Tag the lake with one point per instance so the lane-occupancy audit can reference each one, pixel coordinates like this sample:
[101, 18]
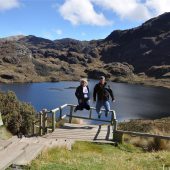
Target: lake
[132, 101]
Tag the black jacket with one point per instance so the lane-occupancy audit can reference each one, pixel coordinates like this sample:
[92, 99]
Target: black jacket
[79, 93]
[102, 92]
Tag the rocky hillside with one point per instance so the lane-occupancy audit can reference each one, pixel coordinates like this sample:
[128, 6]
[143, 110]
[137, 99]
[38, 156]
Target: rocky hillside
[124, 53]
[142, 47]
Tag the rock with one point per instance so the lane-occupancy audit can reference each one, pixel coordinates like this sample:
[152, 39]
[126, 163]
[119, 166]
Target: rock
[119, 69]
[96, 73]
[158, 71]
[142, 47]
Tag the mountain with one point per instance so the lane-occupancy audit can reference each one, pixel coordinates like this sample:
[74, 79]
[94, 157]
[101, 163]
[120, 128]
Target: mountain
[123, 54]
[142, 47]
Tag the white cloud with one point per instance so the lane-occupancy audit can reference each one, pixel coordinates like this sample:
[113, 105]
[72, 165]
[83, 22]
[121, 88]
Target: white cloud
[58, 31]
[8, 4]
[125, 9]
[135, 9]
[52, 34]
[82, 12]
[158, 6]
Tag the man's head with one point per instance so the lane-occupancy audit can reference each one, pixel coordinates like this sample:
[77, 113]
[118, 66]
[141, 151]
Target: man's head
[102, 80]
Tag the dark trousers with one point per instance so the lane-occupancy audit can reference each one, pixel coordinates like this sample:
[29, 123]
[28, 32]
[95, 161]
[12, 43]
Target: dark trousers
[83, 105]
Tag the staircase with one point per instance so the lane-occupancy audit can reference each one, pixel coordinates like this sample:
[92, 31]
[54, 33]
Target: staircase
[22, 151]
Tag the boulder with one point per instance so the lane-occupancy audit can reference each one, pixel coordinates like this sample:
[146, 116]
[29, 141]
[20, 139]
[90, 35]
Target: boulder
[119, 69]
[96, 73]
[158, 71]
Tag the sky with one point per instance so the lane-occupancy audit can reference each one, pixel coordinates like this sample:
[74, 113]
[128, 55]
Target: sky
[77, 19]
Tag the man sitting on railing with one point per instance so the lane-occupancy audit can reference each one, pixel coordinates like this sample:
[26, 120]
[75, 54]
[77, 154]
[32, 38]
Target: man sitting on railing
[82, 94]
[102, 93]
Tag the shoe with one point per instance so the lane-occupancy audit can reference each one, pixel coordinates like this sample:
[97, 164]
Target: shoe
[75, 110]
[106, 114]
[99, 115]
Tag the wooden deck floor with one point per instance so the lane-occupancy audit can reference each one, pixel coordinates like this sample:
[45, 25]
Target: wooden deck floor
[93, 133]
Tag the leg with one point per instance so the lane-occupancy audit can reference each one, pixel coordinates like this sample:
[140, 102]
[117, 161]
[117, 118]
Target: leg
[107, 107]
[87, 105]
[98, 107]
[79, 107]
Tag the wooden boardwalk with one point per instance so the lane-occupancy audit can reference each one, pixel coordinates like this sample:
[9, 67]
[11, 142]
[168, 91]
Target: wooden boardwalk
[92, 133]
[16, 151]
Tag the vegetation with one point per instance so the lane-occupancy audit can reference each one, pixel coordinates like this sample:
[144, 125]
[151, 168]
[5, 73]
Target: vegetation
[85, 155]
[4, 133]
[16, 115]
[158, 126]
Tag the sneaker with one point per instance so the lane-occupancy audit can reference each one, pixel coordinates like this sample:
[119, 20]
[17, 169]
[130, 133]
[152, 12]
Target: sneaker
[75, 110]
[106, 114]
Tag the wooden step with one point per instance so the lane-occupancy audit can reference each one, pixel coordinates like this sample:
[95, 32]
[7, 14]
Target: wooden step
[30, 153]
[10, 154]
[7, 143]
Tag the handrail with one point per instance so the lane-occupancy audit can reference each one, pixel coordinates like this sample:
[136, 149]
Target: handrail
[117, 134]
[43, 115]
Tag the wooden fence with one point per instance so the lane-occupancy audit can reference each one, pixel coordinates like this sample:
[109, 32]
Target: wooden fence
[45, 126]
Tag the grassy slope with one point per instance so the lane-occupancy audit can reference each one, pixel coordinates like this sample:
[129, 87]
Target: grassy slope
[91, 156]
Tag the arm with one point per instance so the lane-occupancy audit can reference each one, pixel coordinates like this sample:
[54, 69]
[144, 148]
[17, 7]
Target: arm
[77, 92]
[111, 93]
[88, 92]
[94, 93]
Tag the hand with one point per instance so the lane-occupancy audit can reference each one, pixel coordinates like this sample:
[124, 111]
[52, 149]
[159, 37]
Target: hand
[80, 100]
[113, 100]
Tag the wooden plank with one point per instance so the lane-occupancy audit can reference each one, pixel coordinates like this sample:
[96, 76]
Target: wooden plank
[89, 118]
[8, 156]
[30, 153]
[53, 121]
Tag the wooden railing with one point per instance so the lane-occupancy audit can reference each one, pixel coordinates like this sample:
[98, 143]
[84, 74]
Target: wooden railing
[57, 114]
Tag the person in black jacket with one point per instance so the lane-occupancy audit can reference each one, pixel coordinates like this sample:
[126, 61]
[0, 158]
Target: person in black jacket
[102, 91]
[82, 94]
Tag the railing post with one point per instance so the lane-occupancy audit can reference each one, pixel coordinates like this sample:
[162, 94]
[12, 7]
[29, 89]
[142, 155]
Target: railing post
[117, 136]
[60, 113]
[90, 113]
[112, 118]
[114, 125]
[71, 113]
[44, 121]
[53, 121]
[40, 123]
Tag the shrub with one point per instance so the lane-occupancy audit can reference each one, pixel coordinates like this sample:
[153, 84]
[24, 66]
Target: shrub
[16, 115]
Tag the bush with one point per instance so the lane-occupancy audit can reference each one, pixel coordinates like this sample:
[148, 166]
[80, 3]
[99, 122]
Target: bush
[16, 115]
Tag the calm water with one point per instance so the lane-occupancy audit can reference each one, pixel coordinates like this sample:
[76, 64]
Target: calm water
[132, 101]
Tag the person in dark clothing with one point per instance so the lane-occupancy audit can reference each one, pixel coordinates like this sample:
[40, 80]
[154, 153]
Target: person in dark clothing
[82, 94]
[102, 91]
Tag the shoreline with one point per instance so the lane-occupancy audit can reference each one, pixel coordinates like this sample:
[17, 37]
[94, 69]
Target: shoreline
[143, 81]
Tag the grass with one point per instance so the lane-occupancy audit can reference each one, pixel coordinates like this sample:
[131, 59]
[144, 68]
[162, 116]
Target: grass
[4, 133]
[92, 156]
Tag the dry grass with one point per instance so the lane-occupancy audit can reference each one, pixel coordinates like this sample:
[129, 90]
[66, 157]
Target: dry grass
[159, 127]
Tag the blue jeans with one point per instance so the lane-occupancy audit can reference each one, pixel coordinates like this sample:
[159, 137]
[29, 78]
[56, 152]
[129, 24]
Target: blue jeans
[101, 103]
